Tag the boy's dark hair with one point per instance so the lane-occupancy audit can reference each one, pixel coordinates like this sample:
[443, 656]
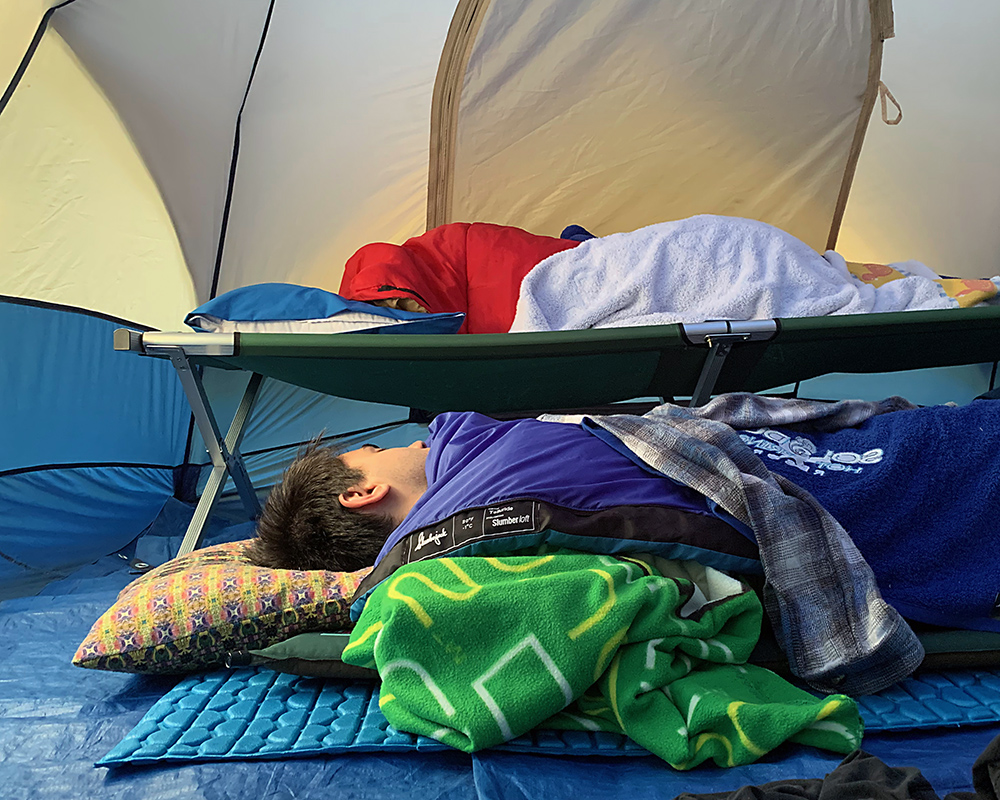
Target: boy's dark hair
[304, 526]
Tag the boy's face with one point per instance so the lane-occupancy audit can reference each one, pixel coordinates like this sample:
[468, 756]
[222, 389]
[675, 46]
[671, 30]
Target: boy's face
[402, 468]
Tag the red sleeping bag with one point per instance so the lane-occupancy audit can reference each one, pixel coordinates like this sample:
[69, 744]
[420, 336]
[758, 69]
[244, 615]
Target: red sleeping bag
[476, 268]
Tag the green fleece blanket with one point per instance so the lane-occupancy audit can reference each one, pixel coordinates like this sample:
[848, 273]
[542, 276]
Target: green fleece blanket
[476, 651]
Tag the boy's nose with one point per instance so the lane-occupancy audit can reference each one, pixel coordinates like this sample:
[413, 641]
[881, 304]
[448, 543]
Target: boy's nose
[418, 445]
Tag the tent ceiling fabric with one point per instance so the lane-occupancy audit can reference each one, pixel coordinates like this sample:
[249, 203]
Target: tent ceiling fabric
[82, 223]
[176, 73]
[613, 114]
[637, 112]
[334, 140]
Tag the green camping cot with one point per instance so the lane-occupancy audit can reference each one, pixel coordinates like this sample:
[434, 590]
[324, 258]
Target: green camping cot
[563, 370]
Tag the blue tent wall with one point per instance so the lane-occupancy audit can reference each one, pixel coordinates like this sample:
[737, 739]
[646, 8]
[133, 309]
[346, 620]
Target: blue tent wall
[284, 418]
[93, 441]
[89, 444]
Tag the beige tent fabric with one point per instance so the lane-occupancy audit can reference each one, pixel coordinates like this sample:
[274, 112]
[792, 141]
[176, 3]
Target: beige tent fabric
[633, 113]
[444, 112]
[81, 221]
[19, 19]
[176, 73]
[929, 188]
[335, 137]
[881, 29]
[607, 113]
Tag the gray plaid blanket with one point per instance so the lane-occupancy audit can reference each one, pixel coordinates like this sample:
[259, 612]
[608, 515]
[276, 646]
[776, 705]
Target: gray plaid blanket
[827, 612]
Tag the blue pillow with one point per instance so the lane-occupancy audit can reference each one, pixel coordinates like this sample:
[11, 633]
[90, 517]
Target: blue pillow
[287, 308]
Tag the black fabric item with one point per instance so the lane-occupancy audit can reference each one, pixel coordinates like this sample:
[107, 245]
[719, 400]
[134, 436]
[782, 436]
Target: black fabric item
[860, 776]
[985, 775]
[576, 233]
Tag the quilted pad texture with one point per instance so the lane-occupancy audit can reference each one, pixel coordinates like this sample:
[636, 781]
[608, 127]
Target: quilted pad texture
[259, 713]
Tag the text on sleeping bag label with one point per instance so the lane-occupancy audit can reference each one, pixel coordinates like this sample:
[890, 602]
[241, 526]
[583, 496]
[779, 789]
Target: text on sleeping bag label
[517, 516]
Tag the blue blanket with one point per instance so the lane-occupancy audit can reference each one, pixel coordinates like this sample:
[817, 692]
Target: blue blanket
[918, 492]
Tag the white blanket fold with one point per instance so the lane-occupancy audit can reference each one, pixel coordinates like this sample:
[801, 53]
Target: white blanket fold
[702, 268]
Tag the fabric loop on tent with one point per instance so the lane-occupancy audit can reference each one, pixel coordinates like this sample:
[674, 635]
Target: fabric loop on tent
[884, 95]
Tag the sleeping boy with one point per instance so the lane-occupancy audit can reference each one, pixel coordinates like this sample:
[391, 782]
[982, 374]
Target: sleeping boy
[338, 511]
[915, 489]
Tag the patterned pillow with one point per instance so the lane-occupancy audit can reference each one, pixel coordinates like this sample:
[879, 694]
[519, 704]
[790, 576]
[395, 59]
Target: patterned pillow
[187, 614]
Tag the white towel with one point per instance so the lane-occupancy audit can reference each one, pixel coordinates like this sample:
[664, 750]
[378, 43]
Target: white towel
[705, 267]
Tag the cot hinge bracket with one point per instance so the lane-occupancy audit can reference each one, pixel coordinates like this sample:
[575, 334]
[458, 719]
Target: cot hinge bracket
[721, 336]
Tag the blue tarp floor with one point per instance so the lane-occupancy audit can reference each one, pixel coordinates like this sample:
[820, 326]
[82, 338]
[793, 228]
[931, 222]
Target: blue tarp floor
[56, 720]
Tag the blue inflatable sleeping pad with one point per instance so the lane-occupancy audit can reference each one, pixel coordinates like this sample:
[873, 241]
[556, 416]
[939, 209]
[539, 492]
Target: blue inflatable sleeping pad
[257, 713]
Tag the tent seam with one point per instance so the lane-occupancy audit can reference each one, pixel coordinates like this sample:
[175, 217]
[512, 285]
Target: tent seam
[29, 54]
[446, 98]
[330, 438]
[141, 465]
[81, 465]
[235, 158]
[880, 20]
[50, 306]
[15, 562]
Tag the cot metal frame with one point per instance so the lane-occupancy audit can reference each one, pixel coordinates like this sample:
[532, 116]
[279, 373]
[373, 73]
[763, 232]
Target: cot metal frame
[224, 450]
[721, 337]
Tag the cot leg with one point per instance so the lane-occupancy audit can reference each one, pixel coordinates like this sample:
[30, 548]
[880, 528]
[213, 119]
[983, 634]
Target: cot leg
[719, 349]
[224, 452]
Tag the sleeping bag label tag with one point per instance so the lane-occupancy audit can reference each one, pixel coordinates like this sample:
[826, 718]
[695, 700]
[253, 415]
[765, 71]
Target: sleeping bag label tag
[436, 539]
[512, 517]
[502, 519]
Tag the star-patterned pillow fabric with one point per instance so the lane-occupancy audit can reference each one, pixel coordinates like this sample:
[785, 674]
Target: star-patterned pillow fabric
[189, 613]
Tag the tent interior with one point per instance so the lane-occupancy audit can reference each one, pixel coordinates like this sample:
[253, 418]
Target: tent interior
[156, 155]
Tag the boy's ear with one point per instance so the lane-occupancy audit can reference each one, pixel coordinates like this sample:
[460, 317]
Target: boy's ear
[363, 495]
